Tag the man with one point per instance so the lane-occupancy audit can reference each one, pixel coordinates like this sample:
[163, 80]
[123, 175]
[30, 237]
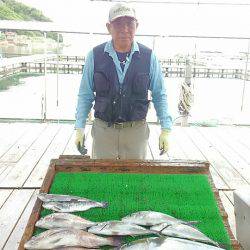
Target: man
[117, 76]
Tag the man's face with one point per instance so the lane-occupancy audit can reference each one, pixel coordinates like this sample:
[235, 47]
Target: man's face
[122, 30]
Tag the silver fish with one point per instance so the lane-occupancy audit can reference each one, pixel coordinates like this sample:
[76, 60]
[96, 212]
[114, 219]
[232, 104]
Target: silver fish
[118, 228]
[68, 237]
[60, 197]
[167, 243]
[76, 248]
[61, 220]
[183, 231]
[151, 218]
[73, 206]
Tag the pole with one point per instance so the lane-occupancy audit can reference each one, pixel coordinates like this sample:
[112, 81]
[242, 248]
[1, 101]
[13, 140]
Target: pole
[245, 77]
[45, 78]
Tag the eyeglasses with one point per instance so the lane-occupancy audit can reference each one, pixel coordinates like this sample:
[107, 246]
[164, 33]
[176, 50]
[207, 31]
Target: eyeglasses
[120, 23]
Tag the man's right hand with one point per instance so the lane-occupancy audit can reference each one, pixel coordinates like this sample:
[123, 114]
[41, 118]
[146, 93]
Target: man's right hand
[80, 137]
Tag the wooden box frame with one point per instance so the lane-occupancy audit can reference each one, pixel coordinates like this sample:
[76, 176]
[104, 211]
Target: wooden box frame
[85, 164]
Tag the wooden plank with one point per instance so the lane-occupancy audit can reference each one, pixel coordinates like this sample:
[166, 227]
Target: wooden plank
[25, 141]
[236, 162]
[242, 134]
[233, 142]
[175, 149]
[231, 177]
[5, 169]
[4, 194]
[193, 152]
[217, 179]
[230, 211]
[10, 135]
[230, 196]
[11, 211]
[3, 166]
[53, 151]
[16, 235]
[23, 168]
[133, 166]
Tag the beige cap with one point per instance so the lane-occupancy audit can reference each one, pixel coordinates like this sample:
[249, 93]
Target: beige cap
[121, 9]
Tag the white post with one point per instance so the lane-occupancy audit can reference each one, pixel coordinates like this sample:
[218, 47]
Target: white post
[245, 77]
[57, 71]
[45, 78]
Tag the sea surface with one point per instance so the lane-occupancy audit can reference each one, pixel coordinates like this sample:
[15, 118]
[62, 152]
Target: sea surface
[215, 100]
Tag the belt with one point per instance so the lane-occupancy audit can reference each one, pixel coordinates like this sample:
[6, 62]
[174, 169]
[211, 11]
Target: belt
[120, 125]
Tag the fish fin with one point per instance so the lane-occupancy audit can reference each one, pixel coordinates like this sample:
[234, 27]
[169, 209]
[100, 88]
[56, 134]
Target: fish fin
[104, 204]
[192, 222]
[159, 233]
[57, 209]
[116, 241]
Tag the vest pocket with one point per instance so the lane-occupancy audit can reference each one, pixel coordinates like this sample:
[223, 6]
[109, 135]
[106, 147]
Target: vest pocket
[141, 84]
[139, 109]
[103, 108]
[101, 104]
[101, 84]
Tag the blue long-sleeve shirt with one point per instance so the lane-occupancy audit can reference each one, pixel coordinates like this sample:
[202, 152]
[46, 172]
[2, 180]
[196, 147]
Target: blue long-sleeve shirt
[157, 87]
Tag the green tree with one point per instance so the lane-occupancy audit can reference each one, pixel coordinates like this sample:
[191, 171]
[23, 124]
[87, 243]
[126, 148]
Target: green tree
[13, 10]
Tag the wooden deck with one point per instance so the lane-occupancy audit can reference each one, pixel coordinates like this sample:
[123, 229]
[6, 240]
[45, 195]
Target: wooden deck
[27, 148]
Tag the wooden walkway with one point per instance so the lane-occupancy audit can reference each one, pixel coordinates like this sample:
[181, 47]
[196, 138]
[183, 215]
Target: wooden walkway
[74, 65]
[27, 148]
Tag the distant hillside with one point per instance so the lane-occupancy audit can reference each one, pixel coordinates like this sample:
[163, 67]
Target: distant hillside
[13, 10]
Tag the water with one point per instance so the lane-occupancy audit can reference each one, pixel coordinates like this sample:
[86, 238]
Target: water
[218, 99]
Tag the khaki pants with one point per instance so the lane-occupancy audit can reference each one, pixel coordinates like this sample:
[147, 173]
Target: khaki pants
[119, 143]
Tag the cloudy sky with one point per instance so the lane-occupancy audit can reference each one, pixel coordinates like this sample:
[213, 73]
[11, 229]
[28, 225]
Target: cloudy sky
[207, 19]
[162, 18]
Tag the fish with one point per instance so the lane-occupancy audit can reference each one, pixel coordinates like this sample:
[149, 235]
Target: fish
[151, 218]
[60, 197]
[167, 243]
[118, 228]
[69, 237]
[184, 232]
[73, 206]
[76, 248]
[62, 220]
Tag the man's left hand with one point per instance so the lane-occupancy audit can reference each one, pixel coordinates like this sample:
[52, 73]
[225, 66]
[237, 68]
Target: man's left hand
[163, 140]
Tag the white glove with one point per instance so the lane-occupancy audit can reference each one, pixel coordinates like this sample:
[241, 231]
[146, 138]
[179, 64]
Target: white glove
[80, 137]
[163, 141]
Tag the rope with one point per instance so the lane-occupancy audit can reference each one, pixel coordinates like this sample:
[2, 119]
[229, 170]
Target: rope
[185, 99]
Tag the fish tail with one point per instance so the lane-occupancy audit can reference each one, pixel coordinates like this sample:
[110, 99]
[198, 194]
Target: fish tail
[115, 241]
[221, 245]
[104, 204]
[217, 244]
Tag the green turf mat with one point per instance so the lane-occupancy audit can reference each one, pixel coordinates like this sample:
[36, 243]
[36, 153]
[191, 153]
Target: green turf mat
[184, 196]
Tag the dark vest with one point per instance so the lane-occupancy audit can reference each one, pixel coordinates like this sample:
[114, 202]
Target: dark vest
[115, 102]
